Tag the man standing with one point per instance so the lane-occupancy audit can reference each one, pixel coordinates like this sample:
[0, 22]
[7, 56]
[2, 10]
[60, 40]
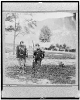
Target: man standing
[21, 53]
[38, 55]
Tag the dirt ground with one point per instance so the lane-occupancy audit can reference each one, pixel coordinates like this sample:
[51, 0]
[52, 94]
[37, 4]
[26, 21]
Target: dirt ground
[49, 73]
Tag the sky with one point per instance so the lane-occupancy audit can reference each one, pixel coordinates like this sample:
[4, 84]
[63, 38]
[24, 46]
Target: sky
[62, 26]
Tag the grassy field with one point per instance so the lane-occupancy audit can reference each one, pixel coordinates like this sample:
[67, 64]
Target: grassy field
[50, 72]
[54, 73]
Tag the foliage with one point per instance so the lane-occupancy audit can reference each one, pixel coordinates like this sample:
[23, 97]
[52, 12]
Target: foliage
[59, 47]
[64, 45]
[10, 17]
[31, 23]
[52, 47]
[17, 27]
[45, 34]
[11, 28]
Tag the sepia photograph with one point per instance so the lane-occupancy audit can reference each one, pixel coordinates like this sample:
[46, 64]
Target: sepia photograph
[40, 48]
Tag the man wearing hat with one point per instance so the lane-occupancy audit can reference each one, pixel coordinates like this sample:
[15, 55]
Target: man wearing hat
[38, 55]
[21, 54]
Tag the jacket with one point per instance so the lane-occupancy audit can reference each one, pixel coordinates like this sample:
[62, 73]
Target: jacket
[38, 54]
[21, 51]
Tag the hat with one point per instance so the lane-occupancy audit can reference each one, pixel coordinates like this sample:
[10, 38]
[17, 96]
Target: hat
[37, 44]
[21, 42]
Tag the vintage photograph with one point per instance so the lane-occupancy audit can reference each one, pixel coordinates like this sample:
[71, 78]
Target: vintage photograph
[40, 48]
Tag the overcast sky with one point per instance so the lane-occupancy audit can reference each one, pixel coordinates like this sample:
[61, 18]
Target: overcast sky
[62, 26]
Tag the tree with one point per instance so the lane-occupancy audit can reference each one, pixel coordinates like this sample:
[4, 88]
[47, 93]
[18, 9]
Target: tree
[45, 34]
[60, 47]
[16, 27]
[12, 17]
[57, 45]
[64, 46]
[31, 24]
[52, 47]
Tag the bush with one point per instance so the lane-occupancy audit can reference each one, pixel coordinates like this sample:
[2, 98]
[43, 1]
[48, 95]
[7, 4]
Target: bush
[72, 50]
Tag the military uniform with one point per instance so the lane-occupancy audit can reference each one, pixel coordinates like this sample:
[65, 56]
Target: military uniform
[21, 54]
[38, 55]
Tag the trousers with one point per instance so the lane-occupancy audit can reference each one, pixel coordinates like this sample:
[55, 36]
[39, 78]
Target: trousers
[22, 61]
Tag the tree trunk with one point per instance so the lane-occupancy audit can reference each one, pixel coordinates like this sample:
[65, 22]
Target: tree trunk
[14, 43]
[14, 37]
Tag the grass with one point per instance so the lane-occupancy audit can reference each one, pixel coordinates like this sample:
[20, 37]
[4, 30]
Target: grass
[51, 55]
[50, 71]
[54, 73]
